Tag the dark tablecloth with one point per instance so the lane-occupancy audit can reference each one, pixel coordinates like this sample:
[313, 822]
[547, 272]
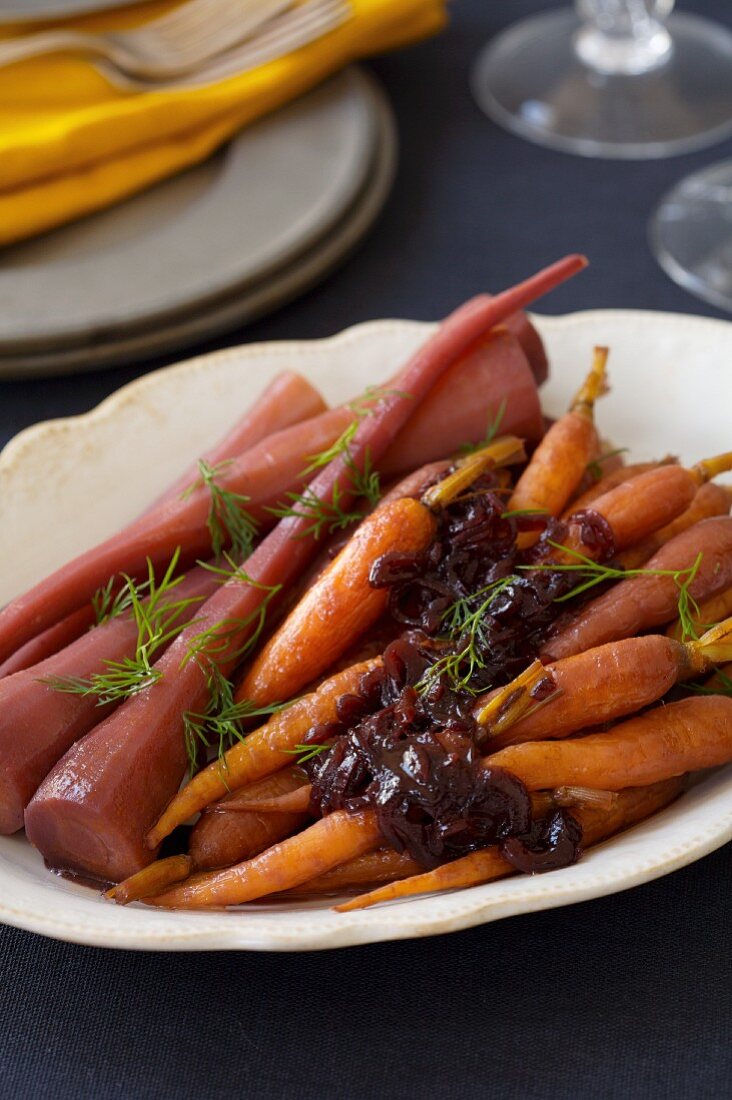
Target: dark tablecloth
[628, 996]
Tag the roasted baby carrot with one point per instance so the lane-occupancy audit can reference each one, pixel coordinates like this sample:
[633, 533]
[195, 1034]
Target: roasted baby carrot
[596, 686]
[609, 481]
[383, 865]
[681, 737]
[325, 844]
[632, 806]
[264, 751]
[700, 558]
[710, 500]
[237, 829]
[151, 880]
[559, 462]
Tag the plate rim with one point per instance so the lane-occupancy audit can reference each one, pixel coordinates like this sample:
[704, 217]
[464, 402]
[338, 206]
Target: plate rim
[369, 926]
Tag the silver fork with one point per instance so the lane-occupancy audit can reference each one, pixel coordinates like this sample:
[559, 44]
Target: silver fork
[281, 35]
[174, 44]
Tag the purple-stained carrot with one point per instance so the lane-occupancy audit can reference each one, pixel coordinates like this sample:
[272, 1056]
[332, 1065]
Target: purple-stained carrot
[288, 399]
[50, 641]
[39, 722]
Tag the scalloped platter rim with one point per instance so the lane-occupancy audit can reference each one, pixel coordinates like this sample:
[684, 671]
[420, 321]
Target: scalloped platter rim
[140, 437]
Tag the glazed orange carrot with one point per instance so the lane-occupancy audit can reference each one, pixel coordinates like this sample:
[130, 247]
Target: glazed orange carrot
[609, 481]
[151, 879]
[325, 844]
[670, 740]
[383, 865]
[710, 611]
[596, 686]
[339, 607]
[632, 806]
[710, 500]
[342, 603]
[241, 829]
[50, 641]
[643, 602]
[637, 508]
[264, 751]
[559, 462]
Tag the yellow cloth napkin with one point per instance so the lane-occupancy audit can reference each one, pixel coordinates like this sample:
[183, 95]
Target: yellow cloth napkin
[71, 143]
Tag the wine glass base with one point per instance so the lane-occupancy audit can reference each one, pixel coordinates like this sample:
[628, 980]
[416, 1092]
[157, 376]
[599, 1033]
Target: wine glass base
[531, 80]
[691, 234]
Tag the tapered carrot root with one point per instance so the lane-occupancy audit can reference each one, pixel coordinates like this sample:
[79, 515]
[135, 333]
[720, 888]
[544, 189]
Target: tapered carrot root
[332, 840]
[383, 865]
[237, 828]
[264, 751]
[715, 610]
[710, 500]
[633, 805]
[596, 686]
[151, 880]
[339, 607]
[638, 508]
[611, 480]
[559, 462]
[670, 740]
[288, 399]
[647, 601]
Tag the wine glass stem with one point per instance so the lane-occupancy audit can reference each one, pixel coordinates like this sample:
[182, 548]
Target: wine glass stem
[625, 37]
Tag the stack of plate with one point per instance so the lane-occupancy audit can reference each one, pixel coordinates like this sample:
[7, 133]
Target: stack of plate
[209, 250]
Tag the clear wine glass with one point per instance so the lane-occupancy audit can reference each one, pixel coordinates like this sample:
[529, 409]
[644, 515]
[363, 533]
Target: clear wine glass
[691, 234]
[611, 78]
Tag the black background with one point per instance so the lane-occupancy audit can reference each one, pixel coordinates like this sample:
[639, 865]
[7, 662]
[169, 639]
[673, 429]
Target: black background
[628, 996]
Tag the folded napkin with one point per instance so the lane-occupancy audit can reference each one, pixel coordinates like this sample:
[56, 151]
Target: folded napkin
[71, 143]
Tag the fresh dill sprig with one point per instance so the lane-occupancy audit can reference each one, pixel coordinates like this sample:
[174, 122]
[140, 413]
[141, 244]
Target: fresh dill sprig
[593, 573]
[218, 640]
[594, 468]
[525, 512]
[228, 521]
[465, 625]
[219, 725]
[490, 433]
[159, 620]
[325, 516]
[309, 752]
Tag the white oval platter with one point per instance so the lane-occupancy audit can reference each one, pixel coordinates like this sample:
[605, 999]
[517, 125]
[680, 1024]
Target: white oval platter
[67, 483]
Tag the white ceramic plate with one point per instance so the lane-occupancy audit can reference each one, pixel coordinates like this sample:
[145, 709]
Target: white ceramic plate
[79, 479]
